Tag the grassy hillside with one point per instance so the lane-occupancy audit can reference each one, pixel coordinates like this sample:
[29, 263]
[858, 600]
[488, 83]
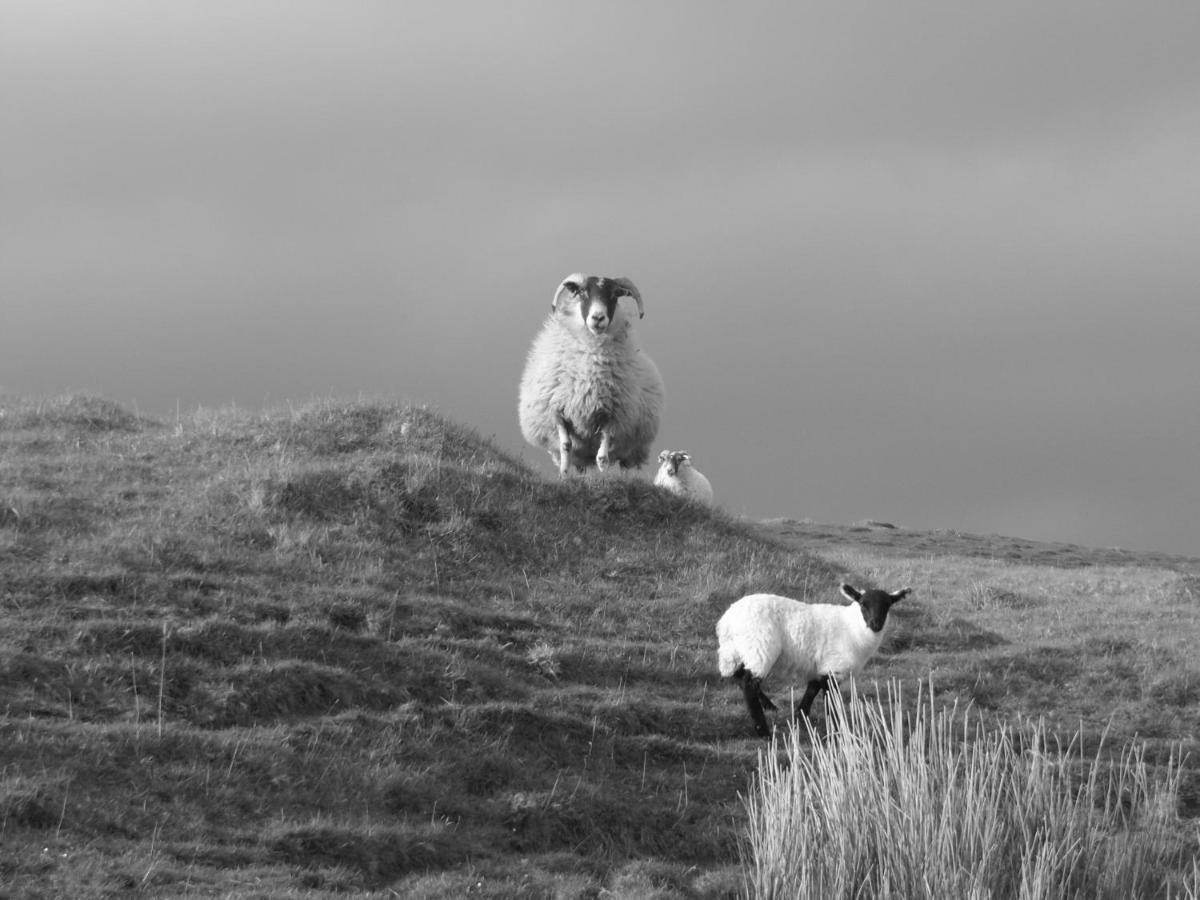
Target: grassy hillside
[355, 647]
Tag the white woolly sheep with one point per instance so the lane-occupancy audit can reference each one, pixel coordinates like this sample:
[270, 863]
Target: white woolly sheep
[589, 394]
[677, 474]
[765, 635]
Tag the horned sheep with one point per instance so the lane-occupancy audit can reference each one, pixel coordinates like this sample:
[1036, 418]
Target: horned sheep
[765, 636]
[677, 474]
[590, 395]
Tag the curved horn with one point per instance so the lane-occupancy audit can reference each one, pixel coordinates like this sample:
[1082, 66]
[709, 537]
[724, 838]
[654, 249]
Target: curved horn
[576, 280]
[631, 289]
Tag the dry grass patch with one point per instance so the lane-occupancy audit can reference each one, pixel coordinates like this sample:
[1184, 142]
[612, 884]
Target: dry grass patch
[932, 803]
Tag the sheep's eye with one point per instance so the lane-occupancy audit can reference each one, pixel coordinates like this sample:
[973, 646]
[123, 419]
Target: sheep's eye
[571, 286]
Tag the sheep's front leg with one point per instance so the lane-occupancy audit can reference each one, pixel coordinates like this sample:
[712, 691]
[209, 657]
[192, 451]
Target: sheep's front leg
[564, 445]
[831, 714]
[810, 694]
[602, 455]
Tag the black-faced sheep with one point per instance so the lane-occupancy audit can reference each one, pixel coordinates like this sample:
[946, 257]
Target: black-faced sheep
[589, 394]
[767, 636]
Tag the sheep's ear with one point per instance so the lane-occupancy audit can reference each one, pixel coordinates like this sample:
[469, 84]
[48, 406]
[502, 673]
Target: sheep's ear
[664, 456]
[572, 284]
[900, 594]
[629, 289]
[851, 593]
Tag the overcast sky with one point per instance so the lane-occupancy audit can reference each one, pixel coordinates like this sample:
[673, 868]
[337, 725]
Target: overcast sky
[935, 264]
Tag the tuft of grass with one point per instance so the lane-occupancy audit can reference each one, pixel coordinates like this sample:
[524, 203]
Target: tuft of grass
[377, 856]
[1182, 589]
[80, 413]
[27, 803]
[543, 658]
[931, 804]
[983, 596]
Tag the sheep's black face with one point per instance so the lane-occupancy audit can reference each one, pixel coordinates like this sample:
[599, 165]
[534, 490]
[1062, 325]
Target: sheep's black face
[672, 460]
[874, 604]
[598, 303]
[597, 297]
[594, 298]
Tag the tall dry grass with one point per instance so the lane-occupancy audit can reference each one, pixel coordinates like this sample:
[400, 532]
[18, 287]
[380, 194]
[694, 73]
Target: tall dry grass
[932, 804]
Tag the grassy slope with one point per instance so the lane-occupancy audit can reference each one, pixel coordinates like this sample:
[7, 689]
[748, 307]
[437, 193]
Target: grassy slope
[354, 646]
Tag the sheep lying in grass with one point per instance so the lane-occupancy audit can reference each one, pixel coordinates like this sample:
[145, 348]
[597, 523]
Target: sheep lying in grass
[677, 474]
[765, 635]
[589, 394]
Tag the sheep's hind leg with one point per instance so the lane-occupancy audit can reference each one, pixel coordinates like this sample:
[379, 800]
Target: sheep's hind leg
[564, 446]
[755, 700]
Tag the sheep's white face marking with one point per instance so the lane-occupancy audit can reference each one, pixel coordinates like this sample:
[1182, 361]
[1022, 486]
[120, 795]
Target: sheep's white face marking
[595, 317]
[874, 604]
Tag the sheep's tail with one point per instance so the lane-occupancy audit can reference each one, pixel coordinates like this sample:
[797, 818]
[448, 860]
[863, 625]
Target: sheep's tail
[728, 660]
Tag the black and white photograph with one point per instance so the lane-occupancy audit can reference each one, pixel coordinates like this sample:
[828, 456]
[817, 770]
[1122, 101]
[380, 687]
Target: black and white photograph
[630, 450]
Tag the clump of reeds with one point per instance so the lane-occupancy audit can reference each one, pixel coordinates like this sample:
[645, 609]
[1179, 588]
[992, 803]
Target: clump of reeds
[933, 804]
